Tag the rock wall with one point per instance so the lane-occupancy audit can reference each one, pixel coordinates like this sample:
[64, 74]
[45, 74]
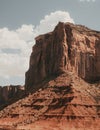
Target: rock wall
[68, 48]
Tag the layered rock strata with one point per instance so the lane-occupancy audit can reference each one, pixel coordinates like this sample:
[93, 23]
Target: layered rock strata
[64, 103]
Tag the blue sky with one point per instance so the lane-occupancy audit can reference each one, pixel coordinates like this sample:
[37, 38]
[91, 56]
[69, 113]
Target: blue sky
[22, 20]
[14, 13]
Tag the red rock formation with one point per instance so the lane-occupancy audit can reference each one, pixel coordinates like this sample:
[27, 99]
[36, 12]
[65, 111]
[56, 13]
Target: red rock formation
[9, 92]
[58, 95]
[68, 48]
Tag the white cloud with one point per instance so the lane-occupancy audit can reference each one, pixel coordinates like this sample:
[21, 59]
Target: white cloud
[22, 39]
[50, 21]
[87, 0]
[15, 64]
[25, 32]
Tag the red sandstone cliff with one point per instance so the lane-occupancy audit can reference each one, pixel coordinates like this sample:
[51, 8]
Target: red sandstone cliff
[62, 83]
[68, 48]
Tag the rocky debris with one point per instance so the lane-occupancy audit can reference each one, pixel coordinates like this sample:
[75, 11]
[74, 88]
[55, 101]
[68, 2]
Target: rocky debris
[68, 48]
[9, 92]
[66, 98]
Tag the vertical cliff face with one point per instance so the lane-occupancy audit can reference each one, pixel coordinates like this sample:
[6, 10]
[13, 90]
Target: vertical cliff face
[68, 48]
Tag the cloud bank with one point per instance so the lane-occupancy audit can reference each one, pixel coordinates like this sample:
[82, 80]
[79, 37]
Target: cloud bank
[87, 0]
[15, 45]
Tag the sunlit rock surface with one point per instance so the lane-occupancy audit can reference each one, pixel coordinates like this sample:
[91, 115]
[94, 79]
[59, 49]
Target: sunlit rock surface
[62, 86]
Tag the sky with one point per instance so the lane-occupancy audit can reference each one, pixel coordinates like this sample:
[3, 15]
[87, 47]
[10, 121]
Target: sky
[22, 20]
